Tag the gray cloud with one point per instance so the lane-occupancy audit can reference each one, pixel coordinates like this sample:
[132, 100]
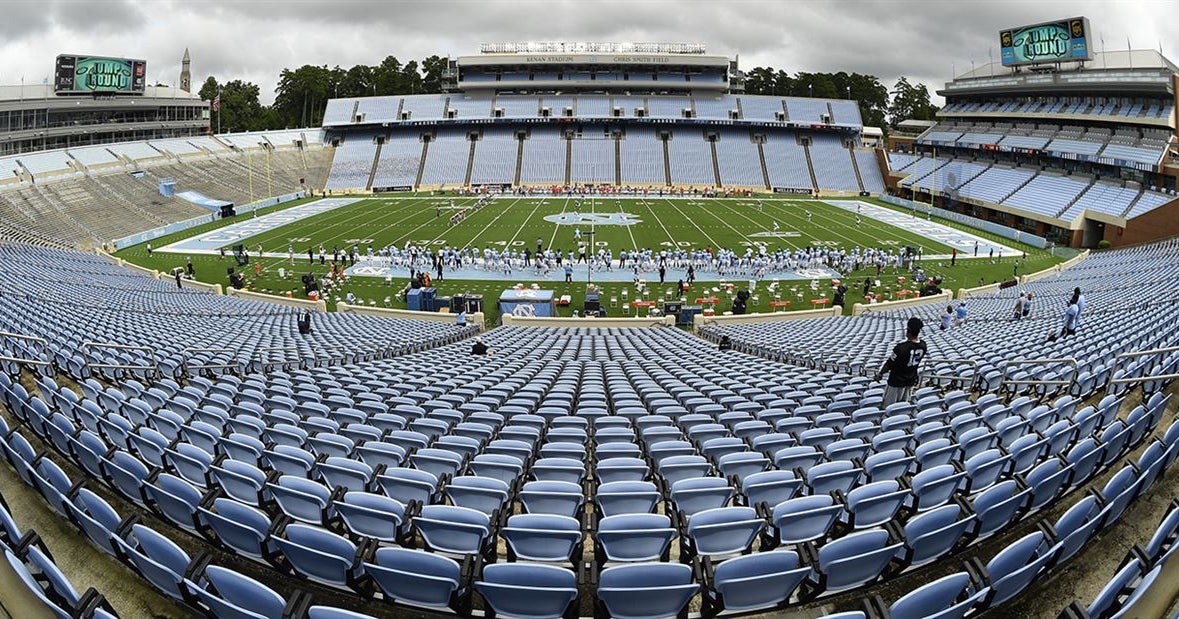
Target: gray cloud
[255, 39]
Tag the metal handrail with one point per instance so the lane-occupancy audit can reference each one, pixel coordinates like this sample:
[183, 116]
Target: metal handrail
[1004, 381]
[1142, 379]
[265, 363]
[186, 353]
[1141, 353]
[28, 338]
[331, 349]
[154, 367]
[973, 378]
[866, 362]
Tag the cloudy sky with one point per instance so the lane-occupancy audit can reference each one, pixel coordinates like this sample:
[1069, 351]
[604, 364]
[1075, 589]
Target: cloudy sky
[255, 39]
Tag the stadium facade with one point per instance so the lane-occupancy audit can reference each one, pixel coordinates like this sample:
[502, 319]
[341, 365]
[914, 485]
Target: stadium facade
[1079, 152]
[34, 118]
[614, 114]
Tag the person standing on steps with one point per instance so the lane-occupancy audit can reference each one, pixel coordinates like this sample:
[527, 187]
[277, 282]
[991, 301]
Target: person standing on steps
[903, 364]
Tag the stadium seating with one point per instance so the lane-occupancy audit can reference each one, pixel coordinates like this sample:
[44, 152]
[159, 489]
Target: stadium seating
[592, 158]
[1044, 193]
[641, 157]
[544, 157]
[869, 171]
[737, 156]
[400, 159]
[495, 157]
[61, 210]
[786, 161]
[690, 158]
[446, 158]
[353, 162]
[830, 160]
[760, 472]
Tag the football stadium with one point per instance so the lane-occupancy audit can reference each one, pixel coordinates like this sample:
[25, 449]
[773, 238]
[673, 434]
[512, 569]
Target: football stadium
[560, 329]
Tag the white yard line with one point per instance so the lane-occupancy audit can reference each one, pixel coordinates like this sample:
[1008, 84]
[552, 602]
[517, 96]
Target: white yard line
[489, 224]
[647, 205]
[831, 229]
[690, 220]
[564, 207]
[758, 223]
[633, 244]
[349, 222]
[524, 224]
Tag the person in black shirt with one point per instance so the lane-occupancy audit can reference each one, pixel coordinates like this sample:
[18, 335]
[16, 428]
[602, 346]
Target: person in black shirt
[903, 364]
[478, 348]
[304, 323]
[725, 343]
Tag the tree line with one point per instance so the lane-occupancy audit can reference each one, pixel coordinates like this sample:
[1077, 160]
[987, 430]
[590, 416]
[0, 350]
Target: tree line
[301, 95]
[879, 107]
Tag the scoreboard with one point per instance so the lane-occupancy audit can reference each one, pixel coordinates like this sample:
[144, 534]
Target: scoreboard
[77, 75]
[1066, 40]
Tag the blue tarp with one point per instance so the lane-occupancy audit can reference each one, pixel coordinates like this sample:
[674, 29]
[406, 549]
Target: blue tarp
[200, 199]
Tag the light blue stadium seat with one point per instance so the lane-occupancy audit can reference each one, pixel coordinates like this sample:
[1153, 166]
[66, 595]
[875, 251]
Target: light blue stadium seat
[635, 537]
[372, 515]
[240, 528]
[417, 577]
[934, 534]
[455, 530]
[754, 582]
[562, 498]
[805, 518]
[854, 560]
[529, 591]
[645, 590]
[231, 595]
[949, 597]
[626, 497]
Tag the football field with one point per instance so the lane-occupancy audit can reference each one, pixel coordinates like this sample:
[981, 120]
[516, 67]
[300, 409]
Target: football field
[618, 224]
[286, 234]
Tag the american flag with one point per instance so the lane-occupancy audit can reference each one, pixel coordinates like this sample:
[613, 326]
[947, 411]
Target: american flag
[216, 105]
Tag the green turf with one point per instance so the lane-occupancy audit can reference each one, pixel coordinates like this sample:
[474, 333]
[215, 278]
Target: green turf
[519, 223]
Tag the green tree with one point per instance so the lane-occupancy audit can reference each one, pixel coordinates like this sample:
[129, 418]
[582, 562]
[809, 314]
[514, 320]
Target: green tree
[302, 94]
[759, 81]
[910, 102]
[387, 76]
[433, 69]
[239, 108]
[411, 79]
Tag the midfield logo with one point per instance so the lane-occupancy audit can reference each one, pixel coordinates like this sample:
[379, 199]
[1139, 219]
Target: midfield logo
[594, 219]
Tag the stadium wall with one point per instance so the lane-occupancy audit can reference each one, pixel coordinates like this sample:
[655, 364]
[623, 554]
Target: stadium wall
[384, 312]
[195, 285]
[602, 323]
[700, 320]
[860, 309]
[1152, 225]
[180, 226]
[317, 306]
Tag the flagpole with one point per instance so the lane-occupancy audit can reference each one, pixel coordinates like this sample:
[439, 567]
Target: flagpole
[218, 109]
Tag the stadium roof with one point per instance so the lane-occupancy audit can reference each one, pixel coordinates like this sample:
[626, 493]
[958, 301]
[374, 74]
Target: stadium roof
[1112, 60]
[45, 91]
[589, 47]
